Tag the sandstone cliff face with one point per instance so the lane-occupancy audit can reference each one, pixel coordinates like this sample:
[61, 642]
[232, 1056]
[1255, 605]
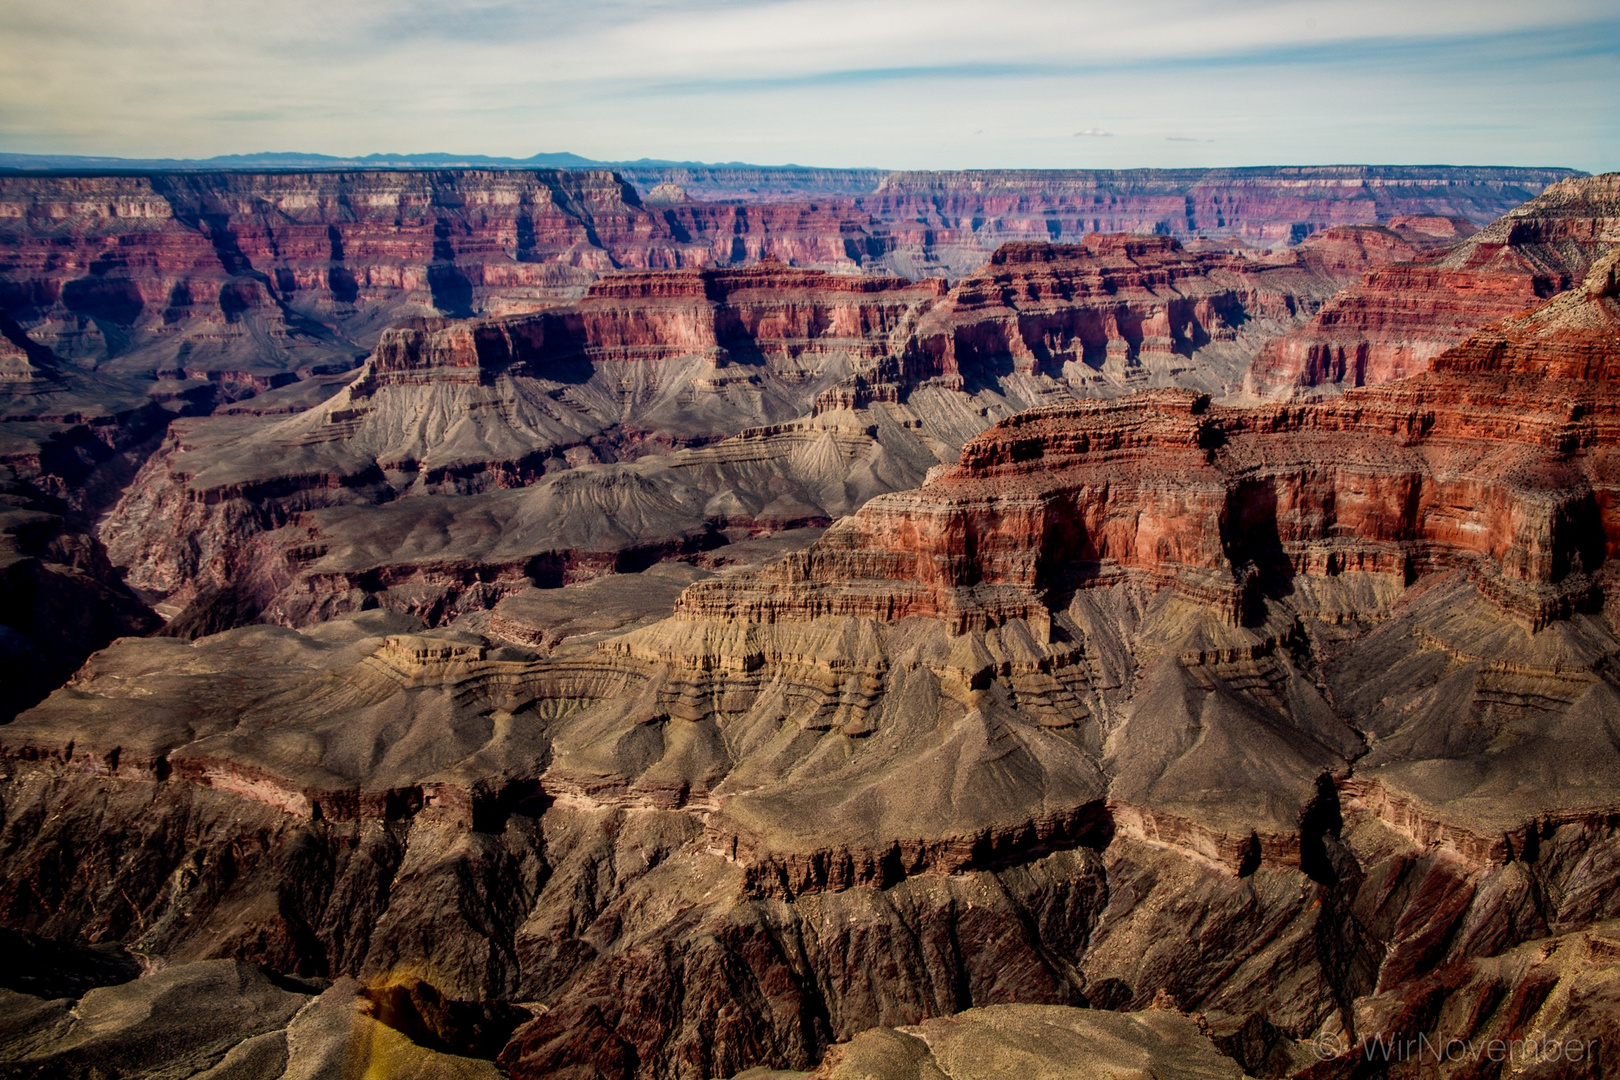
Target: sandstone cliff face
[1492, 472]
[1496, 462]
[844, 386]
[271, 272]
[274, 273]
[923, 223]
[1331, 737]
[1400, 317]
[1296, 718]
[1125, 311]
[1264, 207]
[562, 405]
[708, 847]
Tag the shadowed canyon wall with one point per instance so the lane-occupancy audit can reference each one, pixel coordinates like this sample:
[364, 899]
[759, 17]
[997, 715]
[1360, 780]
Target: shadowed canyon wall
[666, 406]
[761, 666]
[275, 272]
[1400, 317]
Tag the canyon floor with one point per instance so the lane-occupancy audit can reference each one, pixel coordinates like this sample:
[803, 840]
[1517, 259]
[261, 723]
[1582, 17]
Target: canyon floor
[573, 624]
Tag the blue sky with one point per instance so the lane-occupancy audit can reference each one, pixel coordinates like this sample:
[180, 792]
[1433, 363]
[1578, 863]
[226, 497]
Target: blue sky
[886, 83]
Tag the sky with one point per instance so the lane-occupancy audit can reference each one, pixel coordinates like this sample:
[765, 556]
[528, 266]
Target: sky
[931, 84]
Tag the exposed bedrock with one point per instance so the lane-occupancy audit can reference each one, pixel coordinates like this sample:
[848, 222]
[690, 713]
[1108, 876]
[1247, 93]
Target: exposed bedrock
[654, 958]
[1294, 724]
[218, 1019]
[769, 308]
[276, 273]
[1121, 311]
[612, 413]
[272, 272]
[1264, 207]
[61, 597]
[1400, 317]
[707, 846]
[462, 458]
[1497, 462]
[1046, 1041]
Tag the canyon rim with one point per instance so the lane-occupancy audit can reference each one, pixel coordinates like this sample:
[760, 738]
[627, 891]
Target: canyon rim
[1085, 602]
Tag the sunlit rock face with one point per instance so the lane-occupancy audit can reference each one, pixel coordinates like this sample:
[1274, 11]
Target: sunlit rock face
[1399, 318]
[1496, 462]
[1014, 699]
[266, 275]
[665, 406]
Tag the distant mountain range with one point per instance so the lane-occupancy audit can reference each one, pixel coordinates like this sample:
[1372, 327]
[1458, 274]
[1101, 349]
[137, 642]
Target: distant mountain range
[304, 162]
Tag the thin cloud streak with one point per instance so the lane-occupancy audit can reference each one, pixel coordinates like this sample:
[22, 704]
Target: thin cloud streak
[1502, 51]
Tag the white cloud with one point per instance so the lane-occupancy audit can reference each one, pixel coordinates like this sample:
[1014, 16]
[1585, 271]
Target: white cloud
[879, 82]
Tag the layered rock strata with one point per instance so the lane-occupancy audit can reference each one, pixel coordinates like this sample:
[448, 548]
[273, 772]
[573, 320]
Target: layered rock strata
[1497, 461]
[1395, 321]
[1472, 502]
[275, 273]
[1385, 786]
[655, 368]
[538, 448]
[1293, 722]
[1262, 207]
[267, 272]
[1121, 312]
[638, 830]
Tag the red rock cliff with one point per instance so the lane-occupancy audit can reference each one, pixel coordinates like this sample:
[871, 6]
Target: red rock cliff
[767, 310]
[1400, 317]
[1117, 310]
[1500, 461]
[97, 266]
[281, 271]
